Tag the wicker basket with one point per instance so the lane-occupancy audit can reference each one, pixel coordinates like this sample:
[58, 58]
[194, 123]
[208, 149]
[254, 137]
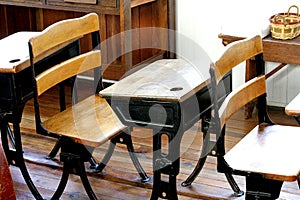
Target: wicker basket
[285, 25]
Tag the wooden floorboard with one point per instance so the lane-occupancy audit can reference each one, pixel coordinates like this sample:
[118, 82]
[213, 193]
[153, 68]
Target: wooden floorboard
[120, 180]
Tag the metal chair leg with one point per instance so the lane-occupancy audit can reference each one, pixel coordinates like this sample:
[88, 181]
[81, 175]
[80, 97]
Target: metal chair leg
[80, 170]
[123, 138]
[63, 182]
[11, 136]
[204, 153]
[55, 149]
[195, 172]
[82, 173]
[101, 165]
[73, 156]
[234, 186]
[20, 162]
[137, 164]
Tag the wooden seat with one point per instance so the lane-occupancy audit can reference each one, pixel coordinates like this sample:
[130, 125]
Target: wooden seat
[88, 123]
[93, 114]
[268, 154]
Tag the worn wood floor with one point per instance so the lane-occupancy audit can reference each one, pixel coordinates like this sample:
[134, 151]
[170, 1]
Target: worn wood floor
[119, 180]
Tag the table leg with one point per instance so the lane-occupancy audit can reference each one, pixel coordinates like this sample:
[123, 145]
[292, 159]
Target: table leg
[16, 157]
[166, 164]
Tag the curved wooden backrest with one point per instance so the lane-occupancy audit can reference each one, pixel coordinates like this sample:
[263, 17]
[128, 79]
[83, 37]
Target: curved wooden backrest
[241, 96]
[67, 69]
[235, 53]
[62, 32]
[56, 37]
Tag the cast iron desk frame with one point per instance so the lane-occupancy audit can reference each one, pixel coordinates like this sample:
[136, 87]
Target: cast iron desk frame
[16, 89]
[15, 98]
[172, 88]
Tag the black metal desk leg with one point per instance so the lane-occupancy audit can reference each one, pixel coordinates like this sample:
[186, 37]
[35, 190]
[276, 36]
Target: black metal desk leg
[258, 187]
[19, 159]
[165, 165]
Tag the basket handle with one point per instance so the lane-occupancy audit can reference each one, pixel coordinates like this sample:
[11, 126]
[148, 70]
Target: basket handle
[293, 6]
[278, 17]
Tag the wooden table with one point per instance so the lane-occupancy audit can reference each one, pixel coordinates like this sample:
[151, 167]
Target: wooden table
[168, 96]
[16, 89]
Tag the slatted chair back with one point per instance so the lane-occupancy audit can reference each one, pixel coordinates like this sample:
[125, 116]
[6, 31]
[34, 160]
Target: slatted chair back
[232, 57]
[56, 37]
[51, 39]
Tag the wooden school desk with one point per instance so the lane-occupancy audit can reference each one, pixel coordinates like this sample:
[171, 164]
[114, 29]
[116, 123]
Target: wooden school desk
[167, 96]
[15, 90]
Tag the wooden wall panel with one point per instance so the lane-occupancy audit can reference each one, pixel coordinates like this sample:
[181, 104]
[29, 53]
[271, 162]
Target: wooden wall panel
[135, 23]
[3, 22]
[113, 40]
[150, 41]
[19, 19]
[52, 16]
[145, 38]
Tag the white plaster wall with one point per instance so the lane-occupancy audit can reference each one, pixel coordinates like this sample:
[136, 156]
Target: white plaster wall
[202, 21]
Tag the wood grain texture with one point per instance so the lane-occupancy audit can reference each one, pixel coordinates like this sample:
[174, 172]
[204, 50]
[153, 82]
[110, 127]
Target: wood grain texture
[90, 122]
[82, 1]
[171, 80]
[64, 31]
[275, 49]
[268, 150]
[245, 49]
[293, 108]
[240, 97]
[68, 69]
[13, 61]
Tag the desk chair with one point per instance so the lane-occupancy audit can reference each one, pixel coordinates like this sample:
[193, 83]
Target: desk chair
[87, 124]
[268, 155]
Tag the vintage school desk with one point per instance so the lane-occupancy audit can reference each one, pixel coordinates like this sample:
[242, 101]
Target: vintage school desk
[168, 96]
[15, 90]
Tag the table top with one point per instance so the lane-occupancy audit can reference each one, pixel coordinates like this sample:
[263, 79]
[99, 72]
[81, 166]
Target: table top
[167, 80]
[14, 52]
[293, 108]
